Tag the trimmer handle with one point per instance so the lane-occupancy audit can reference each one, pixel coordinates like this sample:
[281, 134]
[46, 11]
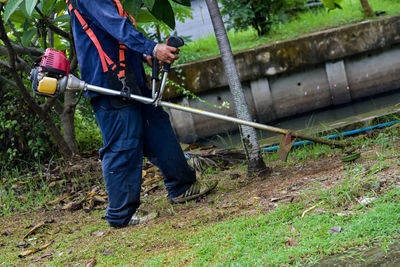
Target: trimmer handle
[174, 41]
[155, 69]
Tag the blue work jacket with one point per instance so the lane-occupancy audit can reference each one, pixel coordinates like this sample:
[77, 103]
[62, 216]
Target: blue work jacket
[109, 28]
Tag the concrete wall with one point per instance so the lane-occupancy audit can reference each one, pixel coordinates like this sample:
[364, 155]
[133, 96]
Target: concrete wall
[290, 77]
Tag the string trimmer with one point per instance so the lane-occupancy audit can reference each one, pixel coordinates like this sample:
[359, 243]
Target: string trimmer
[51, 78]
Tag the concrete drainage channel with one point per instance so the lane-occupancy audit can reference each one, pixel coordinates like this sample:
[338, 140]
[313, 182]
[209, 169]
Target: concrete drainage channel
[326, 75]
[275, 98]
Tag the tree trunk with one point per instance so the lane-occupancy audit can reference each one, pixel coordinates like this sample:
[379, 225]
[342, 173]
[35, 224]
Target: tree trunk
[367, 8]
[68, 121]
[256, 165]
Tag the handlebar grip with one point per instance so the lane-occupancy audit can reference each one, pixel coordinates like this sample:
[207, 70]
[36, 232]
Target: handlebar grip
[155, 69]
[174, 41]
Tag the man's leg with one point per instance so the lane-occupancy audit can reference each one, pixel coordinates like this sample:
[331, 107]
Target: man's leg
[121, 158]
[162, 148]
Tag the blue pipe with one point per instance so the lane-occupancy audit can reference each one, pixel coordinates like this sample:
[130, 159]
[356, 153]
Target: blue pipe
[378, 126]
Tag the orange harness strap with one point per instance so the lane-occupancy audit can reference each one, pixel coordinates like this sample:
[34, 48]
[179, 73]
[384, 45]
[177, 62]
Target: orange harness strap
[104, 58]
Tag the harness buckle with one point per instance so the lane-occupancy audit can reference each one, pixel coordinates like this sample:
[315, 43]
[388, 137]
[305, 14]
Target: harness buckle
[126, 90]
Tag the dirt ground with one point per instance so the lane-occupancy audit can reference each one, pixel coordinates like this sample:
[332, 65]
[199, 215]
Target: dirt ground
[236, 195]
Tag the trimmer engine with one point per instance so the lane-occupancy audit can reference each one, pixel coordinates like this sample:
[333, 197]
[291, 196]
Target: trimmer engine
[53, 66]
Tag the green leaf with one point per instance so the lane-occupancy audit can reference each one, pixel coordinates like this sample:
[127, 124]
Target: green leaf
[46, 6]
[28, 36]
[183, 2]
[145, 17]
[30, 6]
[133, 7]
[62, 18]
[61, 5]
[338, 6]
[149, 4]
[163, 11]
[332, 4]
[19, 16]
[11, 6]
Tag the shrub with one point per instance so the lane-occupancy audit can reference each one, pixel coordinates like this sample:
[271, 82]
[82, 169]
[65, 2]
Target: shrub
[259, 14]
[87, 131]
[23, 137]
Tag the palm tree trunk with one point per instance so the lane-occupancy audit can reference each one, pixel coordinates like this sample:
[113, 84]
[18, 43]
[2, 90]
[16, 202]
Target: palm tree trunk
[256, 165]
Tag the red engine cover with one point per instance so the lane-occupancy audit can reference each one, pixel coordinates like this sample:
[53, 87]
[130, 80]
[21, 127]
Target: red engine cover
[54, 61]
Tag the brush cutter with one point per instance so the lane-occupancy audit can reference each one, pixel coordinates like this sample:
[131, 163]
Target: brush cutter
[51, 78]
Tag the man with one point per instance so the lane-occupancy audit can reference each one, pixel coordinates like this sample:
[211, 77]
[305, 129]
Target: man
[110, 54]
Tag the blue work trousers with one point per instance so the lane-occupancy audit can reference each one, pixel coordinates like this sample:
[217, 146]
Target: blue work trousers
[129, 133]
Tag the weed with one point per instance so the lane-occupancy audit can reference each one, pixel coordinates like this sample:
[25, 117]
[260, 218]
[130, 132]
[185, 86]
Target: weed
[359, 182]
[307, 152]
[226, 140]
[29, 194]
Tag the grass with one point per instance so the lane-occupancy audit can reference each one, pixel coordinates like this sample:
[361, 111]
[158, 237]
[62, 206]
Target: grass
[311, 21]
[28, 195]
[31, 193]
[264, 239]
[279, 238]
[286, 235]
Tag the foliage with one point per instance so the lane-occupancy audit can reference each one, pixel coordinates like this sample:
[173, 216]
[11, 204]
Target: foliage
[88, 134]
[259, 14]
[32, 26]
[158, 30]
[22, 135]
[305, 22]
[332, 4]
[160, 9]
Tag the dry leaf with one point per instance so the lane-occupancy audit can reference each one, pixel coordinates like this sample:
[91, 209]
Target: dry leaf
[335, 230]
[150, 189]
[28, 252]
[89, 195]
[34, 250]
[91, 263]
[366, 201]
[46, 245]
[23, 244]
[98, 233]
[33, 230]
[100, 199]
[59, 199]
[74, 205]
[152, 169]
[43, 256]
